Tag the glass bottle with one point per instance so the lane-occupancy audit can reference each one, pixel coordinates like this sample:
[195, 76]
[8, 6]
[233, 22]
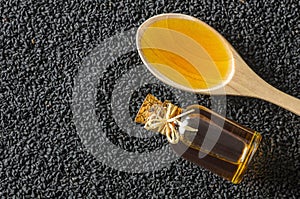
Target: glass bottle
[201, 136]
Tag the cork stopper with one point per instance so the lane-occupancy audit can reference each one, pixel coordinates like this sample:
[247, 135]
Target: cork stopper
[149, 104]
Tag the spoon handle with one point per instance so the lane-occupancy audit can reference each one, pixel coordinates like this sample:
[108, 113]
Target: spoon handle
[275, 96]
[247, 83]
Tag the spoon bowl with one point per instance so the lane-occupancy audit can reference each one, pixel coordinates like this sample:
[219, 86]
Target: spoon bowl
[188, 54]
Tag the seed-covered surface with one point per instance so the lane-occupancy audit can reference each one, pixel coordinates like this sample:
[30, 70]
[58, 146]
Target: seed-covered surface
[43, 45]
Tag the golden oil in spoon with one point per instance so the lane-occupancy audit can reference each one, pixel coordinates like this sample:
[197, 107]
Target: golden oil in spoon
[186, 51]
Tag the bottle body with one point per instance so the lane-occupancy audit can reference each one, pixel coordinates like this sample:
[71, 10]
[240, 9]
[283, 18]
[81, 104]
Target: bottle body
[219, 145]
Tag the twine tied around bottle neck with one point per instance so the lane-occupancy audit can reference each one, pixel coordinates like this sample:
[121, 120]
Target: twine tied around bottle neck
[163, 122]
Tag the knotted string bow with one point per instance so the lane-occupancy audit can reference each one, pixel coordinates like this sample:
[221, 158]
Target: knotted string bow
[162, 121]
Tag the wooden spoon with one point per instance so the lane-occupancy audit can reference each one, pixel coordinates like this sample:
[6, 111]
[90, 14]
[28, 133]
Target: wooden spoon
[188, 54]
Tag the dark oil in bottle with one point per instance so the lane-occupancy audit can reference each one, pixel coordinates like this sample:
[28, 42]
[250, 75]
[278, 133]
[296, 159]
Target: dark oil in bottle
[220, 145]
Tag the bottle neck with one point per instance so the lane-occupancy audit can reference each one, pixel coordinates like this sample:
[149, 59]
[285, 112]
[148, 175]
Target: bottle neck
[160, 117]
